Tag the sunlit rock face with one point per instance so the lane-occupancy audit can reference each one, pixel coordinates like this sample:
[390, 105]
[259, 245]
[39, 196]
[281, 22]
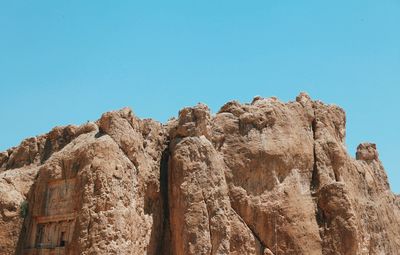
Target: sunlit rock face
[265, 177]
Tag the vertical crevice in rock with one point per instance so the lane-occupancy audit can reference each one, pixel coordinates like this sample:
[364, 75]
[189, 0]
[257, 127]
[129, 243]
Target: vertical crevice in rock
[164, 182]
[163, 245]
[319, 215]
[314, 176]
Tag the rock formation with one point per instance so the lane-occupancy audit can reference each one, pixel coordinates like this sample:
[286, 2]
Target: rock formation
[260, 178]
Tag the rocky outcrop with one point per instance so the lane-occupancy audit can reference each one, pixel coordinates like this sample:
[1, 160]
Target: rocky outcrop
[260, 178]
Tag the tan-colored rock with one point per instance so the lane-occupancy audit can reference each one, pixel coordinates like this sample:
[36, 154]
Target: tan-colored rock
[261, 178]
[202, 219]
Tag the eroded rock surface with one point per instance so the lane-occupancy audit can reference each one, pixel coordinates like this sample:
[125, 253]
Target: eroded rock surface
[261, 178]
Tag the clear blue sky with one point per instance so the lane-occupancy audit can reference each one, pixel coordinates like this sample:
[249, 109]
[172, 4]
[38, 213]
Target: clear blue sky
[66, 62]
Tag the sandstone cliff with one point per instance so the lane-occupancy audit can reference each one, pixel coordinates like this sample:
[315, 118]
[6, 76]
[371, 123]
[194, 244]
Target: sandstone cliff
[260, 178]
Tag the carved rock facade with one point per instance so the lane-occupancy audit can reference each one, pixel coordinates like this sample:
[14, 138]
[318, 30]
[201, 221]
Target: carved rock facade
[260, 178]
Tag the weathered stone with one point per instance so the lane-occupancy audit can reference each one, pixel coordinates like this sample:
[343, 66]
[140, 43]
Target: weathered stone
[367, 152]
[263, 178]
